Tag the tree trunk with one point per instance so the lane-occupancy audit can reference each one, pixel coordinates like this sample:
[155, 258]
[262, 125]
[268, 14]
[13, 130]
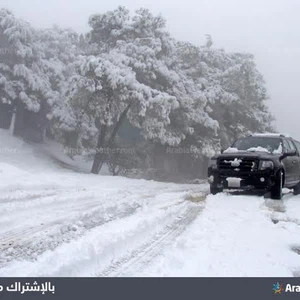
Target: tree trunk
[12, 123]
[100, 145]
[19, 123]
[118, 125]
[102, 158]
[42, 120]
[17, 120]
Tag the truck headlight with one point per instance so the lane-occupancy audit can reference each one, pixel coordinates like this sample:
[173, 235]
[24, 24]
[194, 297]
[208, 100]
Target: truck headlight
[212, 163]
[266, 164]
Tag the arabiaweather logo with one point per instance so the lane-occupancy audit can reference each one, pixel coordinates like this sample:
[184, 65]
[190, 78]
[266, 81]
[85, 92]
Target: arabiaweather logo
[289, 288]
[277, 288]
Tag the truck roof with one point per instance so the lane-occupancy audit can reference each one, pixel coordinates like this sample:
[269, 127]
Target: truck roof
[269, 134]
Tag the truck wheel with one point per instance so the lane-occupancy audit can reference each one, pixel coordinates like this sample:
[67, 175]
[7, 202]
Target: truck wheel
[297, 189]
[215, 190]
[276, 191]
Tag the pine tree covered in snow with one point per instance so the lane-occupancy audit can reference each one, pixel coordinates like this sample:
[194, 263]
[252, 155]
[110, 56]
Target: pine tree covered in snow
[31, 70]
[60, 50]
[111, 91]
[22, 82]
[234, 90]
[124, 76]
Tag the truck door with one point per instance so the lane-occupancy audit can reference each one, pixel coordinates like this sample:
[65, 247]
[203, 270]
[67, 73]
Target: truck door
[296, 146]
[289, 165]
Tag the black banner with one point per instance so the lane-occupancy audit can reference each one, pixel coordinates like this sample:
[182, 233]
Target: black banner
[149, 288]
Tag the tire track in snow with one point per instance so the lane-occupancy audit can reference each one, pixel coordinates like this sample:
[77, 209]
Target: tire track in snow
[278, 210]
[29, 197]
[46, 211]
[62, 208]
[31, 242]
[37, 221]
[142, 256]
[296, 249]
[23, 233]
[278, 213]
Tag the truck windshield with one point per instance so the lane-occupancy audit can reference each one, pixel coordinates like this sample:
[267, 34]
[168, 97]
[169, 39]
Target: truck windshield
[259, 144]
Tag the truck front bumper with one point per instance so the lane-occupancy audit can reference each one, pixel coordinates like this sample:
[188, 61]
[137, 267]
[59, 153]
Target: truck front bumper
[257, 180]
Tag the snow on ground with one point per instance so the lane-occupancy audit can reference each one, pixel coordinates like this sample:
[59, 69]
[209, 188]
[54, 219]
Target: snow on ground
[235, 236]
[58, 222]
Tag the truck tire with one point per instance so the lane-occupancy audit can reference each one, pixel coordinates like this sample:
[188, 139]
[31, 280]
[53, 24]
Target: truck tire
[215, 190]
[276, 191]
[297, 189]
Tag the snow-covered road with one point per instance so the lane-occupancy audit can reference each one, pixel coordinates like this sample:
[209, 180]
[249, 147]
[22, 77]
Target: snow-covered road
[56, 222]
[102, 220]
[154, 230]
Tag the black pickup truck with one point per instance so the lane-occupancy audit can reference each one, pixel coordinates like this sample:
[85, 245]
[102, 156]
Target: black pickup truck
[260, 161]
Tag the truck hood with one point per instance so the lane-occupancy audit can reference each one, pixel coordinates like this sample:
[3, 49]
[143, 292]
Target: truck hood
[247, 154]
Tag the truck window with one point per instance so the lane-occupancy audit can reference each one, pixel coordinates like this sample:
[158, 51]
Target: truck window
[297, 144]
[292, 146]
[286, 146]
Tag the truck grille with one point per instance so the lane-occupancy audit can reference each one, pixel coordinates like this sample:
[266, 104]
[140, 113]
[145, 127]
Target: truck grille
[237, 165]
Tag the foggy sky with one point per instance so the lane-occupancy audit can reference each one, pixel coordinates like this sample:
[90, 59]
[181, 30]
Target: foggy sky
[270, 29]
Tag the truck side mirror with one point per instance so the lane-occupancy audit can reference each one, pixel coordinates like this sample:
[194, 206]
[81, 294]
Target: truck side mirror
[291, 153]
[288, 153]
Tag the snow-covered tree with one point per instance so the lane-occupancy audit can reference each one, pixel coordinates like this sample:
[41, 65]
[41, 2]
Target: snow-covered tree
[110, 91]
[24, 84]
[237, 93]
[127, 87]
[129, 70]
[19, 84]
[234, 89]
[59, 48]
